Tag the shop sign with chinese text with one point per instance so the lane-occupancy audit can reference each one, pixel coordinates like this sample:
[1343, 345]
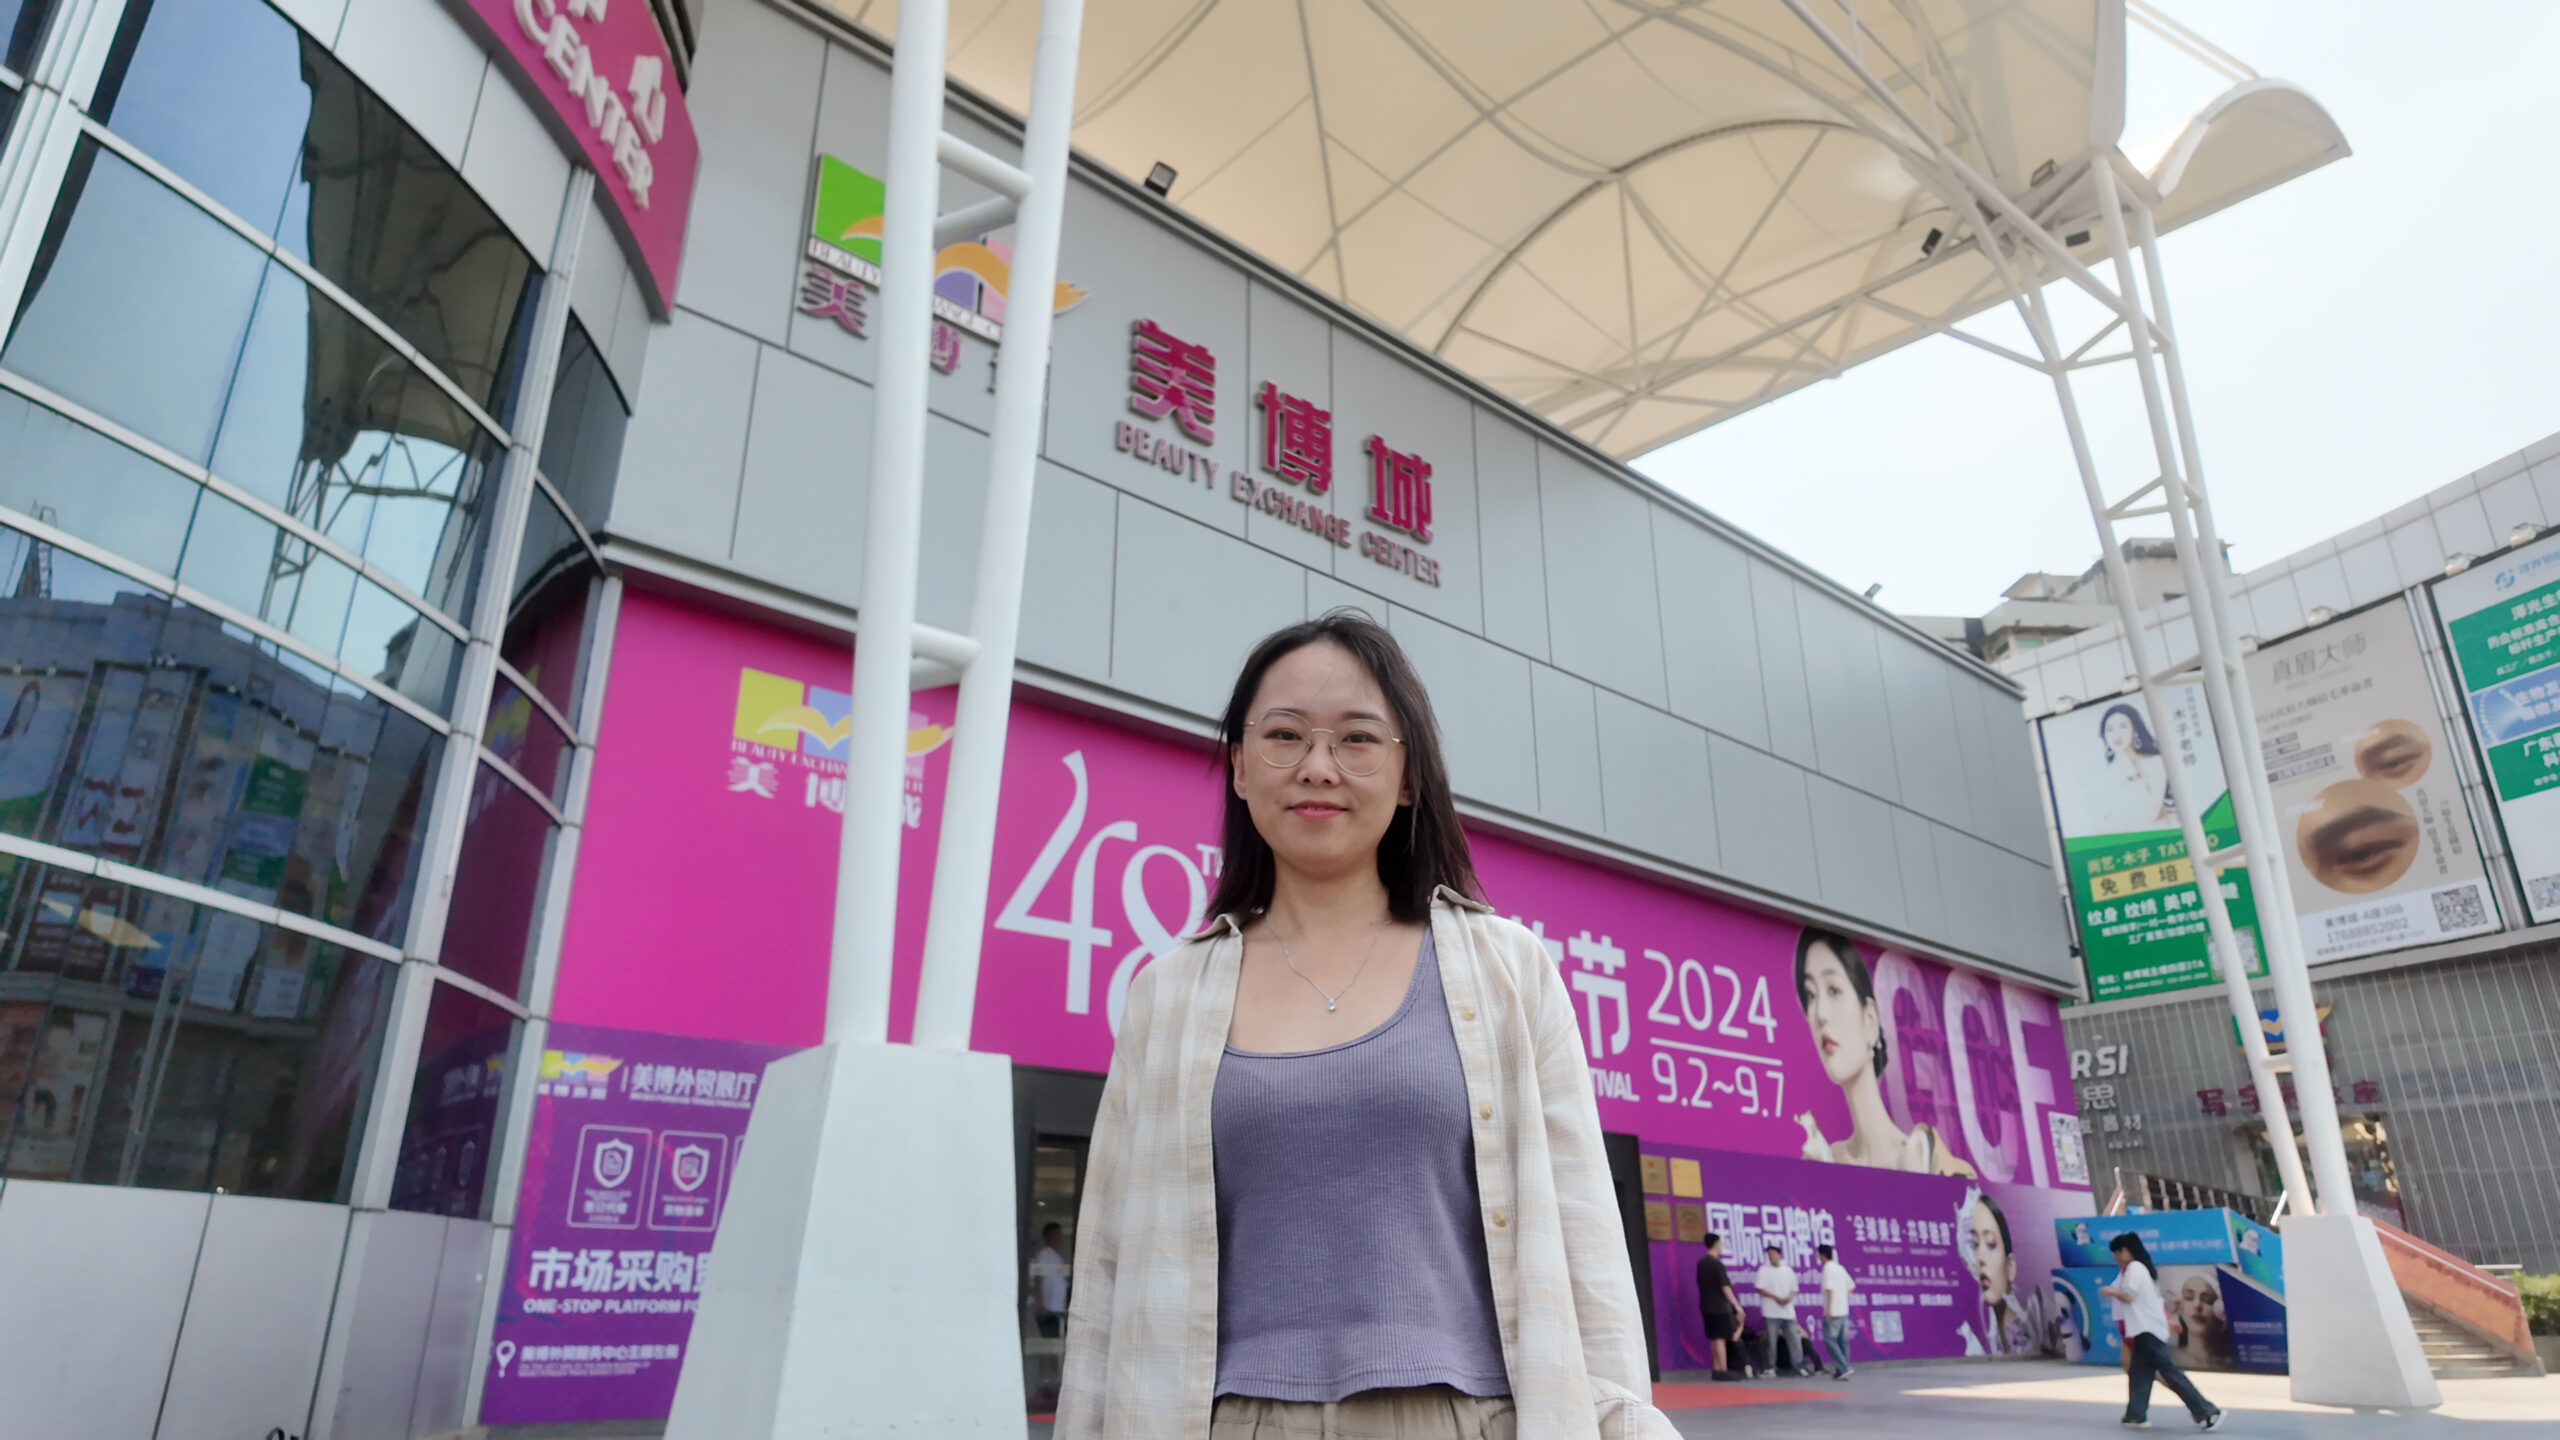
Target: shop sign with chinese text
[2502, 625]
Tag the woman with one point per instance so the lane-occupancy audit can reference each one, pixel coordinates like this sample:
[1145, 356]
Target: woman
[1347, 1177]
[1839, 1001]
[2145, 1326]
[2134, 793]
[2011, 1318]
[2203, 1331]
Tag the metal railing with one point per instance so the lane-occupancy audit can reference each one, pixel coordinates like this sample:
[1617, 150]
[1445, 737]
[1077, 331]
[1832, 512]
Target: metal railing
[2161, 1192]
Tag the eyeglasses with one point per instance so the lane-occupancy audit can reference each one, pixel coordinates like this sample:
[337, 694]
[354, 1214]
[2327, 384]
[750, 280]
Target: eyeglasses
[1283, 742]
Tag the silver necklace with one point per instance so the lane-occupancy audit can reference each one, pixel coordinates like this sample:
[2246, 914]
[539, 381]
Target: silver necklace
[1332, 1002]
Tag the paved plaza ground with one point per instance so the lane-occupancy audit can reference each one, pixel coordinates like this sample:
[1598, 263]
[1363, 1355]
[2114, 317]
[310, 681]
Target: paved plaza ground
[2047, 1398]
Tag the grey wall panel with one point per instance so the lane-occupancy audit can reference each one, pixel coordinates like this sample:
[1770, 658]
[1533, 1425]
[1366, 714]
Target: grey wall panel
[632, 329]
[249, 1350]
[1376, 394]
[1922, 720]
[1969, 881]
[801, 502]
[444, 1363]
[378, 1327]
[1844, 681]
[1481, 694]
[1655, 786]
[1604, 616]
[1764, 824]
[422, 63]
[1568, 749]
[321, 17]
[1190, 602]
[688, 441]
[515, 165]
[92, 1282]
[955, 509]
[2038, 938]
[1782, 687]
[754, 101]
[1854, 850]
[1326, 593]
[1924, 903]
[596, 289]
[1291, 348]
[1710, 643]
[2009, 802]
[1134, 271]
[1066, 581]
[1509, 543]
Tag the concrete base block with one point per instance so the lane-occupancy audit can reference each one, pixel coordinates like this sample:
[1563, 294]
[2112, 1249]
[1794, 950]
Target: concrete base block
[2347, 1329]
[863, 1279]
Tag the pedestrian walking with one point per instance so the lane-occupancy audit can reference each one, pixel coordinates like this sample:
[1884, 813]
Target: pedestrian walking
[2144, 1322]
[1836, 1286]
[1776, 1283]
[1347, 1178]
[1722, 1311]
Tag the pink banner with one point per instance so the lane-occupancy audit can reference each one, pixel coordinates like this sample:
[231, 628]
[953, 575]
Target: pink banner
[600, 70]
[708, 869]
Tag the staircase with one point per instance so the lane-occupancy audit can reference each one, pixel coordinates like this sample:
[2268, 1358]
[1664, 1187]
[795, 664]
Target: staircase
[2455, 1353]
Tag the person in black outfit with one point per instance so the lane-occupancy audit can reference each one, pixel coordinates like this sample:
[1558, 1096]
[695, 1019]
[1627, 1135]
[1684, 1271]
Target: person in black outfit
[1717, 1302]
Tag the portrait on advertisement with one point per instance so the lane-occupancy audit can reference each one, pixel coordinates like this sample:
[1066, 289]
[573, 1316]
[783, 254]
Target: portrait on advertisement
[2013, 1314]
[2199, 1330]
[1838, 995]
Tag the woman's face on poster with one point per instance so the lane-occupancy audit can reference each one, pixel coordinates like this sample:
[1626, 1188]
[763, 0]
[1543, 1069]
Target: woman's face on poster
[1844, 1024]
[2119, 733]
[1994, 1268]
[2200, 1305]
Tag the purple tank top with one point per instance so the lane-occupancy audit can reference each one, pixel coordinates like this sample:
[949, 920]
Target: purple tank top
[1350, 1244]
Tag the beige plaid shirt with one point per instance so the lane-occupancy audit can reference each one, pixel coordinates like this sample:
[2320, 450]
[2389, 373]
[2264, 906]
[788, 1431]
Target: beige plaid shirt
[1142, 1339]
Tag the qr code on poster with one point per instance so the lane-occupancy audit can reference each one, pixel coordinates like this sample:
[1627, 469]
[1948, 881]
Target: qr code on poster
[1886, 1326]
[2544, 893]
[2461, 908]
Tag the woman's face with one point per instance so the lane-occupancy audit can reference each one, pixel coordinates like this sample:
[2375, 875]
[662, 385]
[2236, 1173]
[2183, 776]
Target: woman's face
[1994, 1268]
[1315, 815]
[2357, 836]
[2200, 1305]
[1844, 1026]
[2119, 733]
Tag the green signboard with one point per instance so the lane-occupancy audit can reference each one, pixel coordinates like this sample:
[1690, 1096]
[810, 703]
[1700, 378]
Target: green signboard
[2502, 626]
[2134, 896]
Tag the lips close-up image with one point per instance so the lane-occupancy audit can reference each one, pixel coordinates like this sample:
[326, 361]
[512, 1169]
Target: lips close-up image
[2394, 752]
[2357, 836]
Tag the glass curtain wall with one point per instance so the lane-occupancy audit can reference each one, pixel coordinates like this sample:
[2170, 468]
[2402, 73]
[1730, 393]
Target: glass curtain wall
[254, 414]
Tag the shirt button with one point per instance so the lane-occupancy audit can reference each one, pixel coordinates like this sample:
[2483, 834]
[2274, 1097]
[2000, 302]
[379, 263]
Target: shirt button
[1500, 1219]
[1484, 1112]
[1467, 1013]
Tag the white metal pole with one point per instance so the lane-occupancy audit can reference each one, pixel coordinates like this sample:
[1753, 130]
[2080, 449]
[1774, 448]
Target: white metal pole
[2280, 929]
[946, 1001]
[866, 917]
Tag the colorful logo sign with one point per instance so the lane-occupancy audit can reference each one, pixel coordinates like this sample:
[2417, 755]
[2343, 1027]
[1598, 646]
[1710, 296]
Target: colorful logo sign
[578, 1067]
[787, 714]
[971, 278]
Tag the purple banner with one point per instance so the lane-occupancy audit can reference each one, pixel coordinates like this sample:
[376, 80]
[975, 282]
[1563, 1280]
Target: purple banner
[1943, 1265]
[634, 1139]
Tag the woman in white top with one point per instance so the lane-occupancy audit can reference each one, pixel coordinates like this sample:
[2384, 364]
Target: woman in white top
[2142, 1317]
[2134, 793]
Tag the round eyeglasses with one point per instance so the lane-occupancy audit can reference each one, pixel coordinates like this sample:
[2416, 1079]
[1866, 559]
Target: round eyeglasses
[1283, 742]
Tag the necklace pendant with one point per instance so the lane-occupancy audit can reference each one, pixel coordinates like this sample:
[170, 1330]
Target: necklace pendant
[1331, 1004]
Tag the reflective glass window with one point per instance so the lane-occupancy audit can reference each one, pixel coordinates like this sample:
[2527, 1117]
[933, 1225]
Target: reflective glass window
[545, 637]
[524, 735]
[77, 480]
[148, 1040]
[150, 732]
[455, 1102]
[230, 95]
[8, 108]
[582, 441]
[507, 843]
[327, 423]
[136, 305]
[21, 27]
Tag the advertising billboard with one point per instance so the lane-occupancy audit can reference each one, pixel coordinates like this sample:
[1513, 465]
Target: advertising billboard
[2133, 887]
[2502, 626]
[2367, 794]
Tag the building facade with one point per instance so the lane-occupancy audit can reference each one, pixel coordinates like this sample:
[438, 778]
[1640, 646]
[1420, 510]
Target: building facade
[2428, 919]
[429, 564]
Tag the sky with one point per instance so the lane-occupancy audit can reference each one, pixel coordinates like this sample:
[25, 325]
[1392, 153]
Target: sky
[2352, 339]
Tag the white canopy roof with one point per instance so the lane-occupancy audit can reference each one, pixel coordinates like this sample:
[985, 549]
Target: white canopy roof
[1635, 217]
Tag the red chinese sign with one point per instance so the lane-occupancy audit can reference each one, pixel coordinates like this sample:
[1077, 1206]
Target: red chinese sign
[1173, 377]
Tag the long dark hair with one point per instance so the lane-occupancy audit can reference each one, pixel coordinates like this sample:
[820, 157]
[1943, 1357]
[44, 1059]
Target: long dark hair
[1423, 849]
[1859, 980]
[2143, 744]
[2130, 1245]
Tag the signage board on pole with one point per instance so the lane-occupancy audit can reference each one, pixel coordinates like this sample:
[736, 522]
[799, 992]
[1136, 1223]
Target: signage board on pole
[2502, 625]
[2133, 889]
[2366, 792]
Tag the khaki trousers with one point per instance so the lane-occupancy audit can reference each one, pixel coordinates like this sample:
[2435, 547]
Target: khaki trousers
[1429, 1412]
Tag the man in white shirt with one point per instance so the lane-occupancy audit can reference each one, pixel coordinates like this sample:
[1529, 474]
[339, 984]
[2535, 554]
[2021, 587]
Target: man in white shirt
[1776, 1284]
[1836, 1286]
